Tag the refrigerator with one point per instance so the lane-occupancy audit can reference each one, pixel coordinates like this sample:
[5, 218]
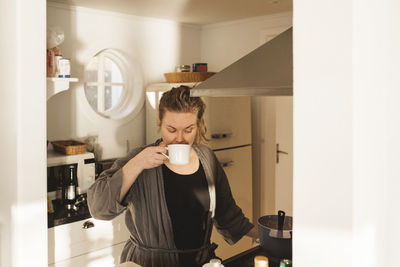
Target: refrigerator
[228, 122]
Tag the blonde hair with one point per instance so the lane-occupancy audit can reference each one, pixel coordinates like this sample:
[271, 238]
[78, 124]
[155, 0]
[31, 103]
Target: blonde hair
[178, 99]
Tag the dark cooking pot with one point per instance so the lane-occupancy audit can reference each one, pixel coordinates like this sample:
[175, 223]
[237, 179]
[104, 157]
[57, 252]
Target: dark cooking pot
[275, 232]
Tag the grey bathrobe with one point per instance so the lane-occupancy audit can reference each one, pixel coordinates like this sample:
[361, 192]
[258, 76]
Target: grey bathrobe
[152, 240]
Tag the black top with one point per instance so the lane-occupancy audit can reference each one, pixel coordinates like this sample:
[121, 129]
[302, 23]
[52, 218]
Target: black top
[188, 204]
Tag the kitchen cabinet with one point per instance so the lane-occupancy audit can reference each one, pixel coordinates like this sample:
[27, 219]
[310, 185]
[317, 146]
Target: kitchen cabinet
[87, 242]
[237, 166]
[104, 257]
[228, 121]
[57, 85]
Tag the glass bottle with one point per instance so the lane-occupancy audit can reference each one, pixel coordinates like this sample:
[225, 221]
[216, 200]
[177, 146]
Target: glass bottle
[70, 192]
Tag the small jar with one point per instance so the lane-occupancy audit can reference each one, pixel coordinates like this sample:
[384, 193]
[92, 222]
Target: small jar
[261, 261]
[65, 68]
[57, 58]
[199, 67]
[183, 68]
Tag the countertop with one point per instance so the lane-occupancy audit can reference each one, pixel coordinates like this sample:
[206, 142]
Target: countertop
[246, 258]
[62, 215]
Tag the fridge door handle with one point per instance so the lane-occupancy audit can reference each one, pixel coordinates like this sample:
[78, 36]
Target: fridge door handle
[227, 164]
[221, 135]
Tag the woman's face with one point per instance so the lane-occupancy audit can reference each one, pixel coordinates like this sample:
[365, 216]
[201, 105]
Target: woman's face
[179, 127]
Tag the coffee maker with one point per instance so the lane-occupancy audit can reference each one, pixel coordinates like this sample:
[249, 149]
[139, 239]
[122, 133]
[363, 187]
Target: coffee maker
[62, 184]
[68, 178]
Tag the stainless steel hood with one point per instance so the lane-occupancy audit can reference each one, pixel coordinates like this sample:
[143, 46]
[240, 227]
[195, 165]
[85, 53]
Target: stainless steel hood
[266, 71]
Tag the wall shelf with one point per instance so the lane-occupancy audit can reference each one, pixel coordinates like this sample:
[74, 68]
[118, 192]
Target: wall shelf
[57, 85]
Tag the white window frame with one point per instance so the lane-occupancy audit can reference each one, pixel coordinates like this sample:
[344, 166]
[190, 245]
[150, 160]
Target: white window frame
[132, 87]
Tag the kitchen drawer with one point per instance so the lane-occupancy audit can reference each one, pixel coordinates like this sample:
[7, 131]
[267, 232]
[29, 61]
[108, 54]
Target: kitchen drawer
[239, 173]
[106, 257]
[228, 121]
[70, 240]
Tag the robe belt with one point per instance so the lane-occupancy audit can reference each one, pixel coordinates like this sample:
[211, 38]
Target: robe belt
[209, 246]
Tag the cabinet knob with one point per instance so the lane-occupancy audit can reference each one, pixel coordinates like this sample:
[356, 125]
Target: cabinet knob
[87, 225]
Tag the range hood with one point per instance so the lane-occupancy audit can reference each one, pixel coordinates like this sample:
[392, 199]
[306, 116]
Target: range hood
[266, 71]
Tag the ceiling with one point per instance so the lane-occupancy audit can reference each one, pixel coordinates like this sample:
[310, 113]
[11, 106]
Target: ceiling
[198, 12]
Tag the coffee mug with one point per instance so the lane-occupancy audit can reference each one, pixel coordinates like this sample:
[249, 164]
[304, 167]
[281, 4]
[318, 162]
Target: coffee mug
[178, 154]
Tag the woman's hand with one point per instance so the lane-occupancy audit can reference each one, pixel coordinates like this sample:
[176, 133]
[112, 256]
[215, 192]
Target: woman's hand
[253, 233]
[149, 157]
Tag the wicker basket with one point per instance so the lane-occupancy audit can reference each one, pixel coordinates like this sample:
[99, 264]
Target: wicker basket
[187, 77]
[69, 147]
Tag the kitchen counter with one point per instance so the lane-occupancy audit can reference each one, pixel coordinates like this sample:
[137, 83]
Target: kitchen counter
[246, 258]
[63, 216]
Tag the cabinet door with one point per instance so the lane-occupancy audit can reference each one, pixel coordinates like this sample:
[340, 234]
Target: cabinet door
[106, 257]
[239, 173]
[70, 240]
[228, 121]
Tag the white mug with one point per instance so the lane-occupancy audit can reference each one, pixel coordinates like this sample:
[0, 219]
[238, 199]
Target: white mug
[178, 154]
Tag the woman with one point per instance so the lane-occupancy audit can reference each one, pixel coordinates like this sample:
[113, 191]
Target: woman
[170, 209]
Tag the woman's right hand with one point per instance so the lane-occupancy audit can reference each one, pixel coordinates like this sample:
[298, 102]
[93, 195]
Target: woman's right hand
[150, 157]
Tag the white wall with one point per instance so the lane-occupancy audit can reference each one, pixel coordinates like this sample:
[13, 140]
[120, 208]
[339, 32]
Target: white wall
[323, 133]
[346, 129]
[23, 216]
[223, 44]
[156, 45]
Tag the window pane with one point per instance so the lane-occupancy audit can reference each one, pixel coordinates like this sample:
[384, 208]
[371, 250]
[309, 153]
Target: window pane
[104, 83]
[112, 96]
[112, 73]
[91, 70]
[91, 96]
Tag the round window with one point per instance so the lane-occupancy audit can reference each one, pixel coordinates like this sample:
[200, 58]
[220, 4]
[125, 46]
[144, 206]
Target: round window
[109, 90]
